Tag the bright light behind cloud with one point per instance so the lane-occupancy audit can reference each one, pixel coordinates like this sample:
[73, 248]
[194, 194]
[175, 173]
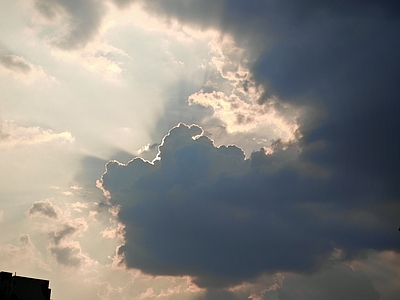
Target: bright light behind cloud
[277, 141]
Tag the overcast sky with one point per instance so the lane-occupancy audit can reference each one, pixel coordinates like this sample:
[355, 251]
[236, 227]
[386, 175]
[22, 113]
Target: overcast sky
[201, 150]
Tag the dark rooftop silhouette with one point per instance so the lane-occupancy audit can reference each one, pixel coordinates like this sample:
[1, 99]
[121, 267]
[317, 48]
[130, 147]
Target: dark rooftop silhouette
[23, 288]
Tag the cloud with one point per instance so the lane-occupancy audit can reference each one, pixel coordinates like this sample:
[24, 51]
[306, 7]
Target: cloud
[239, 116]
[334, 282]
[12, 135]
[20, 68]
[15, 63]
[335, 61]
[384, 270]
[210, 213]
[25, 254]
[44, 208]
[79, 20]
[70, 255]
[97, 57]
[235, 97]
[66, 251]
[69, 229]
[217, 214]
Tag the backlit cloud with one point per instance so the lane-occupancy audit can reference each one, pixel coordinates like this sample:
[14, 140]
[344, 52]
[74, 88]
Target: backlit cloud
[289, 176]
[210, 213]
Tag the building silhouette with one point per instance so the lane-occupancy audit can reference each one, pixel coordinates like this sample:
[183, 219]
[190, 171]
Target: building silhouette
[23, 288]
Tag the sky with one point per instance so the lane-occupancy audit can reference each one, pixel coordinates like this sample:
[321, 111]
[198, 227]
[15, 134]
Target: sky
[201, 150]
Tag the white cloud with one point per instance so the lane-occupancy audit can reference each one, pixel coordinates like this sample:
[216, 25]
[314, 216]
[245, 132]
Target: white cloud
[241, 116]
[96, 58]
[239, 103]
[78, 206]
[13, 135]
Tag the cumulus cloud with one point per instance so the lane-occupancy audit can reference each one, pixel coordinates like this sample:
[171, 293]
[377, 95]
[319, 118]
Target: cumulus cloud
[210, 213]
[44, 208]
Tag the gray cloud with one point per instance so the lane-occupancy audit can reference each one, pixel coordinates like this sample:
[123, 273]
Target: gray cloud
[26, 240]
[335, 282]
[14, 63]
[82, 17]
[67, 255]
[66, 251]
[192, 214]
[61, 234]
[336, 61]
[44, 208]
[220, 294]
[207, 212]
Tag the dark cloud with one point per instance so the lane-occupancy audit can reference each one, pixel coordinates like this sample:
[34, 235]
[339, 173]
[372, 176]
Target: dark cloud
[67, 255]
[61, 234]
[68, 229]
[82, 18]
[220, 294]
[66, 251]
[89, 170]
[25, 240]
[335, 282]
[44, 208]
[335, 60]
[207, 212]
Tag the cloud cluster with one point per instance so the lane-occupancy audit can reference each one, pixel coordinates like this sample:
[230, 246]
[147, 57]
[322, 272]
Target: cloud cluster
[223, 219]
[210, 213]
